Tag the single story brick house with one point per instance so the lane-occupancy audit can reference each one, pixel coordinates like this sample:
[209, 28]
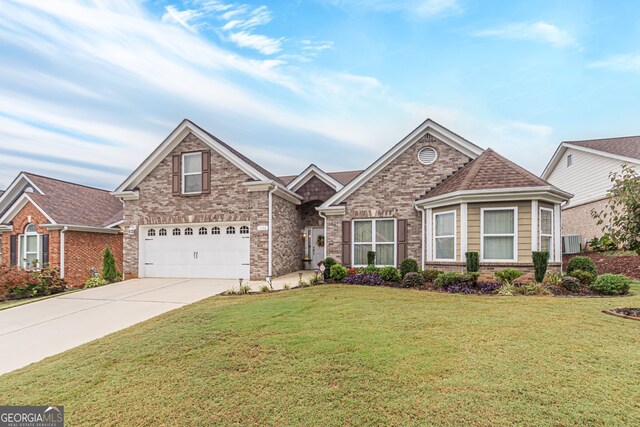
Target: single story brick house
[196, 207]
[46, 221]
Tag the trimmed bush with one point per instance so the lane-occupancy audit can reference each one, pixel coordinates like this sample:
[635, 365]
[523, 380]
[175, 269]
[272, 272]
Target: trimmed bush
[540, 264]
[364, 279]
[12, 278]
[581, 263]
[445, 280]
[94, 282]
[571, 284]
[371, 258]
[431, 275]
[584, 277]
[390, 274]
[473, 262]
[328, 263]
[611, 284]
[412, 279]
[108, 265]
[409, 265]
[338, 272]
[370, 269]
[508, 275]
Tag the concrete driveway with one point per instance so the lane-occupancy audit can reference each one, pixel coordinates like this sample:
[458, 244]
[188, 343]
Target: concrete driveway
[31, 332]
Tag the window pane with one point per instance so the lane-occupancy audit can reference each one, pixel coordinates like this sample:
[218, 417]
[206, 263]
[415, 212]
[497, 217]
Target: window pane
[384, 231]
[30, 229]
[30, 258]
[384, 254]
[545, 244]
[498, 248]
[445, 248]
[545, 222]
[193, 163]
[445, 224]
[193, 183]
[362, 231]
[499, 222]
[32, 243]
[360, 254]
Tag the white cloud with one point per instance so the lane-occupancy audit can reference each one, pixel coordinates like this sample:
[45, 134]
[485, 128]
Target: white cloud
[538, 31]
[252, 18]
[414, 8]
[263, 44]
[626, 62]
[184, 17]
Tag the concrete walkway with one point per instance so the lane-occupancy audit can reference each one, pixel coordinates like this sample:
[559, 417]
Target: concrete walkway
[31, 332]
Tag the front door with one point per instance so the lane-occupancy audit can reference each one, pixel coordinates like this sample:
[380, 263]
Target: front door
[317, 246]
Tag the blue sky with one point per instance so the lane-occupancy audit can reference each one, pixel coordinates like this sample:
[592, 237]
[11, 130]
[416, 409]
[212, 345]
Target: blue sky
[89, 88]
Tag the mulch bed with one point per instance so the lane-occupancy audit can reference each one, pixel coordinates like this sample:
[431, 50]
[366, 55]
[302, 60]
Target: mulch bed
[627, 265]
[625, 312]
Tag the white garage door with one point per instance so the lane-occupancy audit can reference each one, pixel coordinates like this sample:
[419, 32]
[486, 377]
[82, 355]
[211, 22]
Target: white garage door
[219, 251]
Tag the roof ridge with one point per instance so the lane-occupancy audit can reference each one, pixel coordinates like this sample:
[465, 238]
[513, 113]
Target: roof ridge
[65, 181]
[601, 139]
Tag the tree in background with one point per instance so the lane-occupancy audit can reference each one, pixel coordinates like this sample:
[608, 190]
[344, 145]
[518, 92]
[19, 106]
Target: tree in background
[108, 265]
[620, 219]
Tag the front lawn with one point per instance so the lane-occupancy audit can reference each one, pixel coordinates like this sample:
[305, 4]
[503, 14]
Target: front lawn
[353, 355]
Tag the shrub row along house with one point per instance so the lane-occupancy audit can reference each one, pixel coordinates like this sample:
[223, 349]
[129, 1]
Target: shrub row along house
[196, 207]
[45, 221]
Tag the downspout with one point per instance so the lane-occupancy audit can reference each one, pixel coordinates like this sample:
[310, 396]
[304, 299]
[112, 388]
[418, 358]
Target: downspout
[422, 248]
[270, 248]
[62, 252]
[324, 248]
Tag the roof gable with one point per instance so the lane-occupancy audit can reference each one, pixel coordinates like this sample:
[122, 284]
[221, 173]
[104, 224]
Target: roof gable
[310, 172]
[430, 127]
[252, 169]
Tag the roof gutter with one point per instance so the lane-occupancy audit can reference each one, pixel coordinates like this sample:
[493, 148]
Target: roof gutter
[83, 228]
[516, 193]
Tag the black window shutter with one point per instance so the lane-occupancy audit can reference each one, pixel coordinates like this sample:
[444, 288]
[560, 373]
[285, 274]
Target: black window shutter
[45, 250]
[175, 174]
[401, 240]
[206, 172]
[13, 248]
[346, 243]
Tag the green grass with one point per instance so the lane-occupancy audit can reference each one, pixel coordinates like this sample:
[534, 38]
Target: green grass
[347, 355]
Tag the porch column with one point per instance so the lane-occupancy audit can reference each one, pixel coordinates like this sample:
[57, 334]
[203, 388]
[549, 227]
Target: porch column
[557, 234]
[429, 226]
[534, 225]
[463, 231]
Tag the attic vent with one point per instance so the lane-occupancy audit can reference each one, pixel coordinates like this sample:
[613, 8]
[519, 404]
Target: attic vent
[427, 156]
[28, 189]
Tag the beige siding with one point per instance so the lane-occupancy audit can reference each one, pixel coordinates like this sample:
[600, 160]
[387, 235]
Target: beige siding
[524, 226]
[455, 208]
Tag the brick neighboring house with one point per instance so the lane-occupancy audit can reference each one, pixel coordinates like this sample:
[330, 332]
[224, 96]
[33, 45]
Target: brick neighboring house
[198, 208]
[64, 225]
[582, 168]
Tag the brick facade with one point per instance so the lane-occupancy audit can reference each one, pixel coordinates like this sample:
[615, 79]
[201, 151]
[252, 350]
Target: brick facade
[228, 201]
[288, 243]
[392, 192]
[578, 220]
[83, 251]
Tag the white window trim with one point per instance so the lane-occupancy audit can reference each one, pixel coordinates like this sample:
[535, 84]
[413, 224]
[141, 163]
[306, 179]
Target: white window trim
[515, 234]
[373, 242]
[185, 174]
[454, 235]
[551, 246]
[23, 263]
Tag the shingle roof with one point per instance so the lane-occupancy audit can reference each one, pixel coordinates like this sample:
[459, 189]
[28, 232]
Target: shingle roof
[488, 171]
[627, 146]
[75, 204]
[343, 177]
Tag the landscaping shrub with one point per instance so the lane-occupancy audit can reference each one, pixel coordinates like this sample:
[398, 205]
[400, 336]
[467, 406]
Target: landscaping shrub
[108, 265]
[408, 265]
[508, 275]
[94, 282]
[338, 272]
[369, 269]
[412, 279]
[444, 280]
[584, 277]
[581, 263]
[11, 278]
[507, 289]
[316, 280]
[603, 244]
[552, 279]
[571, 284]
[431, 275]
[264, 289]
[244, 289]
[328, 263]
[50, 281]
[473, 261]
[390, 274]
[540, 263]
[364, 279]
[371, 258]
[530, 289]
[473, 288]
[611, 284]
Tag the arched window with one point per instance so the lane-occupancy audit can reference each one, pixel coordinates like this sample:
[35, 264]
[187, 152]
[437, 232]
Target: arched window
[203, 231]
[176, 231]
[188, 231]
[231, 230]
[215, 230]
[162, 232]
[244, 230]
[151, 232]
[30, 247]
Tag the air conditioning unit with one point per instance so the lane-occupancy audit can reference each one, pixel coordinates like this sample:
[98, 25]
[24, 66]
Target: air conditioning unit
[571, 244]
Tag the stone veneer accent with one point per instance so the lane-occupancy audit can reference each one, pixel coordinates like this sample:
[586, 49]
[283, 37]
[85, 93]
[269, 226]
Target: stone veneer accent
[392, 191]
[578, 220]
[229, 201]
